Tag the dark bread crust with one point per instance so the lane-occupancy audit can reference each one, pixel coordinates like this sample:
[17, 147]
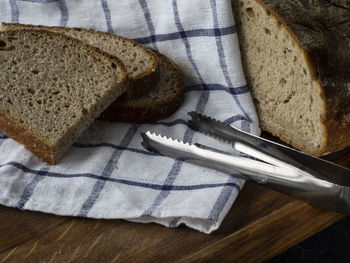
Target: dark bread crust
[24, 136]
[134, 114]
[322, 29]
[154, 110]
[34, 143]
[139, 85]
[142, 85]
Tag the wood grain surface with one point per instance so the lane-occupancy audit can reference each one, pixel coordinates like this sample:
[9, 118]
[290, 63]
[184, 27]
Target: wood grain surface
[261, 224]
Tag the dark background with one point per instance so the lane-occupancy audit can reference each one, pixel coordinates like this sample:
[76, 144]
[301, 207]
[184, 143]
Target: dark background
[329, 245]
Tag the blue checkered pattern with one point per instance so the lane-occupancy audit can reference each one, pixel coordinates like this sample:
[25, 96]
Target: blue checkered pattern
[107, 173]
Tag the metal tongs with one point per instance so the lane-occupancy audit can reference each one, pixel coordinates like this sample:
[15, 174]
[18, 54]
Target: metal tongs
[316, 181]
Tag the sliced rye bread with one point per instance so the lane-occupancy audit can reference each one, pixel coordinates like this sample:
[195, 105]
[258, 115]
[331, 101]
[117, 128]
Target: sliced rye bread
[52, 89]
[140, 62]
[159, 103]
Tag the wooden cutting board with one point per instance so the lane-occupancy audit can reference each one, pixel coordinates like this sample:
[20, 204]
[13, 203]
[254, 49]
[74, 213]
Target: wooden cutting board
[261, 224]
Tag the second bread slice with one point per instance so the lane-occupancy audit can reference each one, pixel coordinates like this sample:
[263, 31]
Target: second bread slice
[164, 99]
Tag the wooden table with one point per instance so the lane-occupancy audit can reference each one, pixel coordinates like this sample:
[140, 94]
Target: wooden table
[261, 224]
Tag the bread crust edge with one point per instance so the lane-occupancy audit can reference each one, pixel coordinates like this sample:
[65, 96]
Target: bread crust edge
[29, 139]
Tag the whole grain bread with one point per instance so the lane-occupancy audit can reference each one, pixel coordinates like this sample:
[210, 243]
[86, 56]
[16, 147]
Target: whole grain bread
[52, 88]
[296, 56]
[140, 62]
[165, 97]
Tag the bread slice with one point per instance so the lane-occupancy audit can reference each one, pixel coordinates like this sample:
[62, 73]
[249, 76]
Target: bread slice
[141, 63]
[296, 56]
[165, 97]
[52, 88]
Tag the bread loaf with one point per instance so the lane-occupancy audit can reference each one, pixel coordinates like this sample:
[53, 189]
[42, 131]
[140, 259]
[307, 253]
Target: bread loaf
[164, 98]
[52, 88]
[141, 63]
[296, 56]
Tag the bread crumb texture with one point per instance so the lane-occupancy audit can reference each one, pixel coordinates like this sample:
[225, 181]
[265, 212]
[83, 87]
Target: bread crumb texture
[137, 59]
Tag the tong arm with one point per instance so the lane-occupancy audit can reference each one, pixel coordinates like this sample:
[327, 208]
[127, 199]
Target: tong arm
[320, 168]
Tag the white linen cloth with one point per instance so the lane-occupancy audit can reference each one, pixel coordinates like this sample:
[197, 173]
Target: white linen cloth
[107, 173]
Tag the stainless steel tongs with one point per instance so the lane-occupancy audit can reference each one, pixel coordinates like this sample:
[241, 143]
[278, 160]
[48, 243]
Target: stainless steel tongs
[316, 181]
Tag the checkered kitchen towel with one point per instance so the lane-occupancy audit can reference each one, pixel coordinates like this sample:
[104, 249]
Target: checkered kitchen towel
[107, 173]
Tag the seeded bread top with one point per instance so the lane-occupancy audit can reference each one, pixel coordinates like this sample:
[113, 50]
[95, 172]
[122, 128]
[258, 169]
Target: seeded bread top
[138, 60]
[50, 82]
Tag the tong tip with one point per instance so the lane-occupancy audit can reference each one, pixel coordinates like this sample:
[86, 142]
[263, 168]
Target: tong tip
[145, 141]
[149, 136]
